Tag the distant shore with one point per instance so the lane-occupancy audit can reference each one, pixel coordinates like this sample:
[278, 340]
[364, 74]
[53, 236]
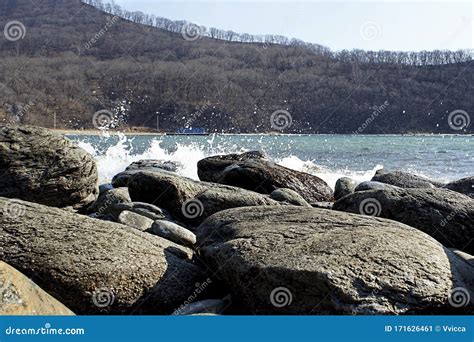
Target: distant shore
[144, 133]
[99, 132]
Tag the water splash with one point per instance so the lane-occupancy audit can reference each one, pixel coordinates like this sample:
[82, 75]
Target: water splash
[326, 174]
[113, 158]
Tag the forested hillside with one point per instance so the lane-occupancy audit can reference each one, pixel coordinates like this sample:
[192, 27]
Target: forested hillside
[73, 59]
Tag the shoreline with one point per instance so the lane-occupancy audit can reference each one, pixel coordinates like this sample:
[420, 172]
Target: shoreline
[92, 132]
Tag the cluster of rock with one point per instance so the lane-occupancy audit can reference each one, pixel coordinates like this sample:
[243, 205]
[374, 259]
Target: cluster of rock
[251, 237]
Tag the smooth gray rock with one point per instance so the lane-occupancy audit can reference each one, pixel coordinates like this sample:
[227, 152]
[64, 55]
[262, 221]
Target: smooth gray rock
[464, 186]
[371, 185]
[445, 215]
[190, 201]
[145, 209]
[313, 261]
[252, 172]
[83, 262]
[344, 186]
[134, 220]
[40, 166]
[150, 165]
[404, 180]
[289, 196]
[206, 306]
[107, 199]
[173, 232]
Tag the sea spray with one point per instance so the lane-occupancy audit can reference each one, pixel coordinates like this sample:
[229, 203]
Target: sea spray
[328, 157]
[114, 158]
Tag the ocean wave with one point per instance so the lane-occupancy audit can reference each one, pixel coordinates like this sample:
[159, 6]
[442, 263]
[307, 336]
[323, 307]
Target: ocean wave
[115, 157]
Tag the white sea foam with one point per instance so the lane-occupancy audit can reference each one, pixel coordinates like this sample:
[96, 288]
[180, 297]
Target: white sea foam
[115, 158]
[329, 176]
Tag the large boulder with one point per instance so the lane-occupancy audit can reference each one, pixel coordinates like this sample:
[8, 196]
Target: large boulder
[464, 186]
[404, 180]
[445, 215]
[20, 296]
[251, 171]
[40, 166]
[297, 260]
[94, 266]
[150, 165]
[188, 200]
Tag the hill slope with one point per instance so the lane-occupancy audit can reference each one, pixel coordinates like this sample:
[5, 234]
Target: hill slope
[76, 60]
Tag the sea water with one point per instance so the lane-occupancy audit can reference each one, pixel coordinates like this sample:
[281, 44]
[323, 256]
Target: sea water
[439, 157]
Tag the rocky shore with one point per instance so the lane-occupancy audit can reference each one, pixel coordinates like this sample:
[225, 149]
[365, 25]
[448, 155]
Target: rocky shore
[251, 237]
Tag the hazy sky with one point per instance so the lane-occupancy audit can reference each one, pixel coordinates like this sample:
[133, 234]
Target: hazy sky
[413, 25]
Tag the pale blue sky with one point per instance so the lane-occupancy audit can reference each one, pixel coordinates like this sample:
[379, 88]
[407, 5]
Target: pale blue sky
[376, 25]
